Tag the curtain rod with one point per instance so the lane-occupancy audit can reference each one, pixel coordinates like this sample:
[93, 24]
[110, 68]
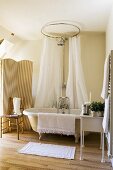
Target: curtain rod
[51, 35]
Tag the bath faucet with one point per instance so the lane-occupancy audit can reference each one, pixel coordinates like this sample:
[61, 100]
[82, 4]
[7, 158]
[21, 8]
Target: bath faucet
[63, 103]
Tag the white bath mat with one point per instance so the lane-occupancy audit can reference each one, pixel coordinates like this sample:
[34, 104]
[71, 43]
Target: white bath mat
[49, 150]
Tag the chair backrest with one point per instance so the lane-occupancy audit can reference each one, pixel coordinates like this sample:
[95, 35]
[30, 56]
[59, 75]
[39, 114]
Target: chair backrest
[11, 107]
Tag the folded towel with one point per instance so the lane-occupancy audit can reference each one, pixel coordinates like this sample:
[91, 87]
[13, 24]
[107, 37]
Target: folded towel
[16, 105]
[104, 93]
[66, 124]
[105, 122]
[47, 122]
[56, 123]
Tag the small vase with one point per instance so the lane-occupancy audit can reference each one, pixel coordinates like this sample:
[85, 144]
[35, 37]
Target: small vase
[97, 114]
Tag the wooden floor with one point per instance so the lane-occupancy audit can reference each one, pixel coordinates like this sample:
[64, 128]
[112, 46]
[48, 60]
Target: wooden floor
[10, 159]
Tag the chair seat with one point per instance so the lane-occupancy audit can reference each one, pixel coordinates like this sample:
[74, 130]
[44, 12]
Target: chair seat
[12, 116]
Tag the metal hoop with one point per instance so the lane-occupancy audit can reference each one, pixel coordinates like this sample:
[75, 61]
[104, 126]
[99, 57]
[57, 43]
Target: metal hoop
[51, 35]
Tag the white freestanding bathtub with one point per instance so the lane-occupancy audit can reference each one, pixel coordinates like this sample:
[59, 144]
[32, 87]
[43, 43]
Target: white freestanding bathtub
[32, 114]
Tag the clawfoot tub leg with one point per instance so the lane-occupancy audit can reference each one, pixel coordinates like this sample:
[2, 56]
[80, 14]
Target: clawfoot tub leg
[76, 138]
[39, 136]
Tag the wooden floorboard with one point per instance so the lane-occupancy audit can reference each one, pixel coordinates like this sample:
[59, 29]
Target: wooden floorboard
[10, 159]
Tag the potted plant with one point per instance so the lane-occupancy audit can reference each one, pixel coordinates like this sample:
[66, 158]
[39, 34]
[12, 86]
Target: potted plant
[97, 108]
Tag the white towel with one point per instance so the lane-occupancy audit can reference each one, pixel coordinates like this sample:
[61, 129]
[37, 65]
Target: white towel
[47, 122]
[105, 122]
[16, 105]
[104, 93]
[66, 124]
[56, 123]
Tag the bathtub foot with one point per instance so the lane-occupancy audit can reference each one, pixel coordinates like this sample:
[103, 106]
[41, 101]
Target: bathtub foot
[40, 136]
[76, 138]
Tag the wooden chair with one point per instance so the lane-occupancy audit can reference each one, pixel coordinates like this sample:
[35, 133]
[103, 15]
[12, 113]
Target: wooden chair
[13, 119]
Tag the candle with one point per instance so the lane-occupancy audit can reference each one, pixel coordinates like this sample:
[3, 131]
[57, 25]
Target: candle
[90, 97]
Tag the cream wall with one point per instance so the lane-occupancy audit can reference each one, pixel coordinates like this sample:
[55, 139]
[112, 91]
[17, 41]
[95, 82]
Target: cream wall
[92, 54]
[109, 34]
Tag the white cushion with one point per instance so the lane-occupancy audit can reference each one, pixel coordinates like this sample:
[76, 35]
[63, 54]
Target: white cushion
[16, 105]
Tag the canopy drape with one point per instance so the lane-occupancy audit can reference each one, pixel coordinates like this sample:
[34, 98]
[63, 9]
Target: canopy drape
[76, 88]
[50, 76]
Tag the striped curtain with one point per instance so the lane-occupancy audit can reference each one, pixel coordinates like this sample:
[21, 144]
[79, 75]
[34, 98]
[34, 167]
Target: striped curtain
[16, 81]
[25, 69]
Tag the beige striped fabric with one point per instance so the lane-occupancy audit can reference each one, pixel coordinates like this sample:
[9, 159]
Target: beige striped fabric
[16, 81]
[10, 81]
[25, 69]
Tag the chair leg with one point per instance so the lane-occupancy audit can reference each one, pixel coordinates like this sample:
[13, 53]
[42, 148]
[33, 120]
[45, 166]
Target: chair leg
[9, 125]
[17, 123]
[22, 124]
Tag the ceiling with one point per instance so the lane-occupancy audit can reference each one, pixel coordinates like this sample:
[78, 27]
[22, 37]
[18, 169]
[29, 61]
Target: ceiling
[25, 18]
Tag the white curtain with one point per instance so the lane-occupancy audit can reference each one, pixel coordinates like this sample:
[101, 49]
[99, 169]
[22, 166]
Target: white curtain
[76, 89]
[5, 46]
[50, 76]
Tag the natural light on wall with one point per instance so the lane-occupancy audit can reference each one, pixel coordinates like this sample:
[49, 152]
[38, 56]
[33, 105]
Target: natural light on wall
[5, 47]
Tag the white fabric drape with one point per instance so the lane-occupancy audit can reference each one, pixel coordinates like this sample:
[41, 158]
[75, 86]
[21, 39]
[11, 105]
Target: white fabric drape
[105, 87]
[105, 95]
[76, 89]
[5, 46]
[50, 76]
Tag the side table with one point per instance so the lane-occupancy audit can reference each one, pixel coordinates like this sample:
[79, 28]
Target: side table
[91, 124]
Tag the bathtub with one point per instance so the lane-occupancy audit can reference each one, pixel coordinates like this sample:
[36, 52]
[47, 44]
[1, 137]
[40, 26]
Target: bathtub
[32, 114]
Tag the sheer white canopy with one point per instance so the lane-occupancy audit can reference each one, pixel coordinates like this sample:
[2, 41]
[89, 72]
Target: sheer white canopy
[76, 89]
[50, 76]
